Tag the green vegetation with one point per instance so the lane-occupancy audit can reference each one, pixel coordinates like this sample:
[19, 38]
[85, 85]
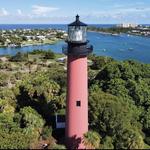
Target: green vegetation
[30, 93]
[112, 30]
[19, 57]
[139, 31]
[26, 37]
[92, 140]
[119, 104]
[33, 89]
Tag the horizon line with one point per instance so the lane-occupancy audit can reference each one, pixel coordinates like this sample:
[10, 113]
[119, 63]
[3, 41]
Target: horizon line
[64, 23]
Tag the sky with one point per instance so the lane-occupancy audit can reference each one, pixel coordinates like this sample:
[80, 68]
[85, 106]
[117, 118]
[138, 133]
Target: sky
[64, 11]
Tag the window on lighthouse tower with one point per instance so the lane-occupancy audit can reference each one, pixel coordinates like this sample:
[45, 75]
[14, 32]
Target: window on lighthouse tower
[78, 103]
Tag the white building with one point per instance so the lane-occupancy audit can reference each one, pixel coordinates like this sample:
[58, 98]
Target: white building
[63, 59]
[60, 121]
[127, 25]
[41, 37]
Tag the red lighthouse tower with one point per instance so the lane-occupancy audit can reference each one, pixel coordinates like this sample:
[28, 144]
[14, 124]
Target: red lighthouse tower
[77, 86]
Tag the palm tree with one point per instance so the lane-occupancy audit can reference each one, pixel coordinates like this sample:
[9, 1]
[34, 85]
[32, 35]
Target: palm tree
[91, 140]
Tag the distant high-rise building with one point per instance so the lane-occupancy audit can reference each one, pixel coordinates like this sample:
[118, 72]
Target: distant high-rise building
[127, 25]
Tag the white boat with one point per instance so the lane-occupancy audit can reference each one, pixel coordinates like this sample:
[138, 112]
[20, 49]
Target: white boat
[115, 34]
[121, 50]
[130, 49]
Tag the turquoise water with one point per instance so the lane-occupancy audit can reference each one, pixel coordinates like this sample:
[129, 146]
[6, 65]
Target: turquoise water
[119, 47]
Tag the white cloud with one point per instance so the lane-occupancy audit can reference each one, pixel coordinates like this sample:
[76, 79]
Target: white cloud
[19, 12]
[42, 10]
[119, 14]
[3, 12]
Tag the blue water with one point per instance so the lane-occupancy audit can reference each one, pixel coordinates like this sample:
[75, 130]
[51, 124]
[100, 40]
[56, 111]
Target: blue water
[119, 47]
[44, 26]
[32, 26]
